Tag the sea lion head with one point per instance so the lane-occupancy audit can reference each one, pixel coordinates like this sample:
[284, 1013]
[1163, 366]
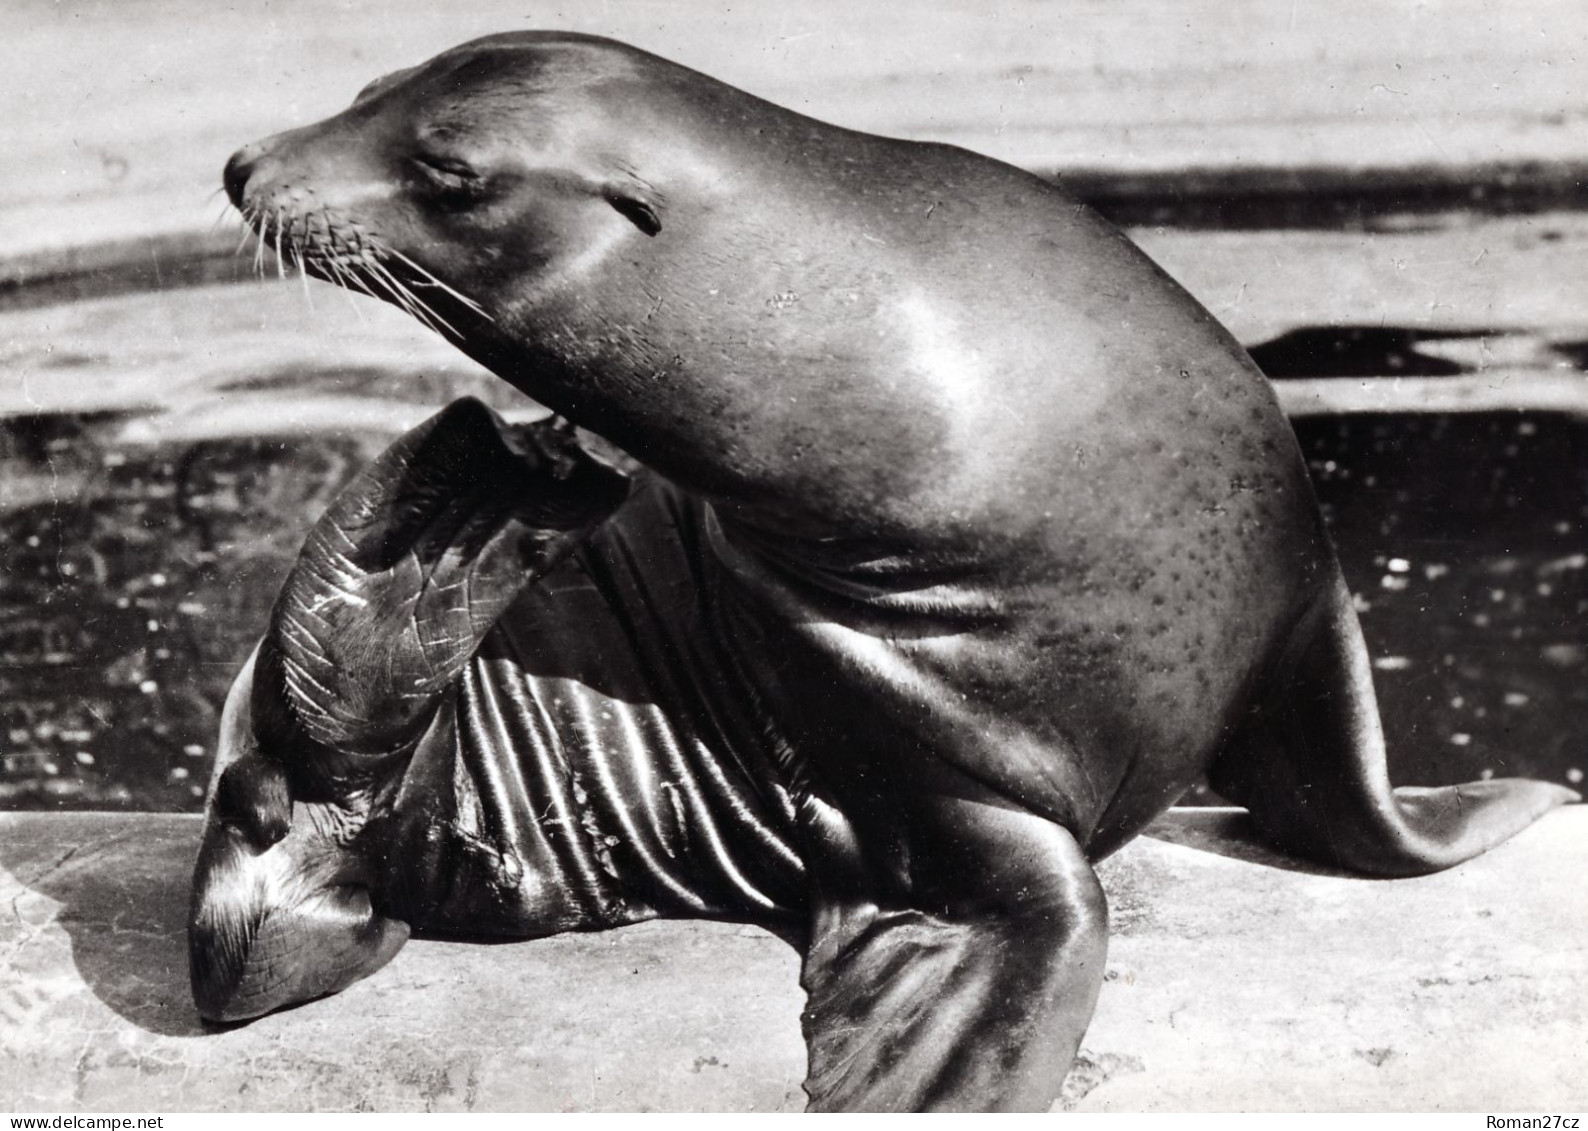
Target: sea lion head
[463, 189]
[630, 242]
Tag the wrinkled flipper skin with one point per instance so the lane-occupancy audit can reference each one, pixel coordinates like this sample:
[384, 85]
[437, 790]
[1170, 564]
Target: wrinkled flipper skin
[970, 988]
[394, 590]
[1310, 766]
[281, 910]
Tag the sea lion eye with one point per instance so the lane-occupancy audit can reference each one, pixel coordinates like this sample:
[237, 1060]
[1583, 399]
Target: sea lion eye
[638, 212]
[456, 181]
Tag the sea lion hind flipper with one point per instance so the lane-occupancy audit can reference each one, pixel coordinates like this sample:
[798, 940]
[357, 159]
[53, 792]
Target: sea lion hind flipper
[396, 586]
[407, 571]
[975, 999]
[1310, 766]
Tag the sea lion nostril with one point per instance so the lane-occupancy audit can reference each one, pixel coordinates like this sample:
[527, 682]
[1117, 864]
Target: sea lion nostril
[239, 167]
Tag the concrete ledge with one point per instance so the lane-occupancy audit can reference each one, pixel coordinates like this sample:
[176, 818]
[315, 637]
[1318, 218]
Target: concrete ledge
[1232, 984]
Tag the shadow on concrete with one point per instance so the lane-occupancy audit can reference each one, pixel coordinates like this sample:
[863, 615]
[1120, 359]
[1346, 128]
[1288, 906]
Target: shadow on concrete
[1232, 834]
[123, 905]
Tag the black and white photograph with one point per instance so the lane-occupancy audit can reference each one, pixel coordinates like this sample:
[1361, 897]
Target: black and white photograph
[734, 556]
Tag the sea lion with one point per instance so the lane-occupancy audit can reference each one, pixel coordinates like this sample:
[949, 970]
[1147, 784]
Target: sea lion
[964, 541]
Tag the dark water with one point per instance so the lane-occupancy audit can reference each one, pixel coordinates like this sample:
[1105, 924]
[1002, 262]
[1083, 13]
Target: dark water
[132, 584]
[1464, 538]
[134, 581]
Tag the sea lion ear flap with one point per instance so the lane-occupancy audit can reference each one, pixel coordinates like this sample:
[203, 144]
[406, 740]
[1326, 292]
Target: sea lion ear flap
[637, 202]
[385, 82]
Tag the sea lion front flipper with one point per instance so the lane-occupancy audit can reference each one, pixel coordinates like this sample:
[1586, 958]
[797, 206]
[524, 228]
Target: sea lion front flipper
[1310, 766]
[973, 996]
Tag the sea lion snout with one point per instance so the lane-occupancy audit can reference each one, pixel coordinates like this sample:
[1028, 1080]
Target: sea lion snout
[256, 165]
[316, 161]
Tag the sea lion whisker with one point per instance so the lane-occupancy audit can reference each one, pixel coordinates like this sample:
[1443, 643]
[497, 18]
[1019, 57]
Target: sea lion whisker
[369, 270]
[343, 282]
[331, 267]
[303, 276]
[259, 244]
[413, 303]
[281, 266]
[242, 242]
[404, 299]
[355, 279]
[435, 282]
[340, 278]
[350, 280]
[247, 216]
[413, 286]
